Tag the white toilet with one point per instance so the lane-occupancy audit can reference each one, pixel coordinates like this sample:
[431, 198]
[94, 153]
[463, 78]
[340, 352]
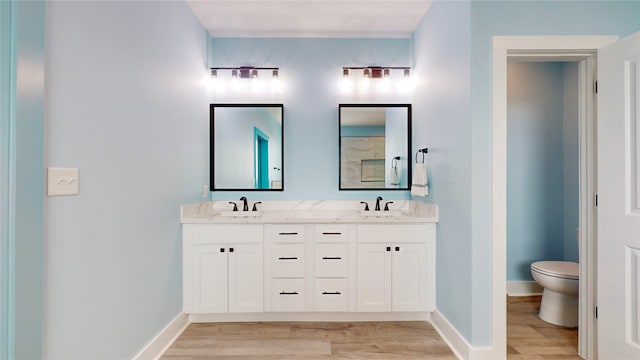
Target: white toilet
[559, 279]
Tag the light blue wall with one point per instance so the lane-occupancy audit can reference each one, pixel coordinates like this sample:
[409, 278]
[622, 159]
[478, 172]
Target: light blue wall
[128, 106]
[396, 144]
[571, 159]
[6, 73]
[360, 131]
[22, 178]
[311, 76]
[442, 122]
[535, 166]
[492, 18]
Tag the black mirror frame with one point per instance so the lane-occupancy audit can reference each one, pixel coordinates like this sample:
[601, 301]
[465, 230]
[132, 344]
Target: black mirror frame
[212, 145]
[409, 157]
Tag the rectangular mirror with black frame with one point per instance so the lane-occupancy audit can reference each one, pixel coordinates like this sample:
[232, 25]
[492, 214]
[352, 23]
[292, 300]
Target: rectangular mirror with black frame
[247, 147]
[375, 146]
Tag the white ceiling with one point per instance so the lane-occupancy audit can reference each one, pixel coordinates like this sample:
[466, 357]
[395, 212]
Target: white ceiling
[310, 18]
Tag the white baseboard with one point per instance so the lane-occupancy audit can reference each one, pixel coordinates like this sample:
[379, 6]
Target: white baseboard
[161, 342]
[523, 288]
[458, 344]
[310, 316]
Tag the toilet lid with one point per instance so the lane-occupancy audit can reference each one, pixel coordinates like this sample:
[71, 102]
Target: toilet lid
[561, 269]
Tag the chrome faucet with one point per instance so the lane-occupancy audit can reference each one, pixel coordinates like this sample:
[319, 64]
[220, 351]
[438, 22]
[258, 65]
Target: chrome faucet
[378, 203]
[245, 206]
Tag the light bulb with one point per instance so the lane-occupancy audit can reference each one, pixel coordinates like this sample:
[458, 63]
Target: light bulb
[276, 85]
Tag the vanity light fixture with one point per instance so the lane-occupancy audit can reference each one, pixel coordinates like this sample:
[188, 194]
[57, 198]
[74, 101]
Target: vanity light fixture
[247, 72]
[381, 75]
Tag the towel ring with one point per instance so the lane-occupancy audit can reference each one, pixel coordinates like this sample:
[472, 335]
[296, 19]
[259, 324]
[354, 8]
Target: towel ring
[423, 151]
[394, 161]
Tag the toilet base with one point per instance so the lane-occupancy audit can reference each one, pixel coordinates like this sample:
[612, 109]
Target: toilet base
[559, 309]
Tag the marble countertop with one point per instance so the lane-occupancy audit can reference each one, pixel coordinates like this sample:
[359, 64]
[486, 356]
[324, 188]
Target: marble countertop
[309, 211]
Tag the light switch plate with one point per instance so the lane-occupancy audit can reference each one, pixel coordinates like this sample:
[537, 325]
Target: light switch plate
[62, 181]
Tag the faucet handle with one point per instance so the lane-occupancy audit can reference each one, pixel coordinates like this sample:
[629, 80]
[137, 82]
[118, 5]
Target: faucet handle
[254, 205]
[235, 206]
[366, 205]
[386, 205]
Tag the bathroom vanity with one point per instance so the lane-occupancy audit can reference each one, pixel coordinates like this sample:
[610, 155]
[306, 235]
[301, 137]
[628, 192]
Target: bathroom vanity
[308, 260]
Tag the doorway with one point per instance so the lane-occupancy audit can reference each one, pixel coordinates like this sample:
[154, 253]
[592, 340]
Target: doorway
[542, 196]
[548, 48]
[261, 172]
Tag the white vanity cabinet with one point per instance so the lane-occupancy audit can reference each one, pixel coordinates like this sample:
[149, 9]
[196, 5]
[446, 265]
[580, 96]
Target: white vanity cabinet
[332, 261]
[223, 268]
[396, 267]
[286, 264]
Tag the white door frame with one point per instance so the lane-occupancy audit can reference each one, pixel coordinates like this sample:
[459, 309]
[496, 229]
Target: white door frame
[545, 48]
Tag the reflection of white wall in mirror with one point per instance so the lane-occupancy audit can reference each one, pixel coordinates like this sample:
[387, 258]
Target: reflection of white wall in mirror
[396, 145]
[234, 144]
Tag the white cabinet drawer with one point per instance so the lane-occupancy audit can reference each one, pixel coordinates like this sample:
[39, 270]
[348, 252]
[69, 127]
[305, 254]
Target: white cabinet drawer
[224, 233]
[332, 295]
[331, 233]
[331, 260]
[288, 260]
[288, 295]
[390, 233]
[288, 233]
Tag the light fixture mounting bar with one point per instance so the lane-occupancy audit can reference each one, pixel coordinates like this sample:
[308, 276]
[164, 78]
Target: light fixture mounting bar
[244, 72]
[375, 72]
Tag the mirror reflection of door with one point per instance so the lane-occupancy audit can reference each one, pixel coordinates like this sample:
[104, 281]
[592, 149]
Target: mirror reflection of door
[246, 143]
[261, 159]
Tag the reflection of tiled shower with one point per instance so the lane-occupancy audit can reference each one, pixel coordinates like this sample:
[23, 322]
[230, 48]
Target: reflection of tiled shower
[363, 161]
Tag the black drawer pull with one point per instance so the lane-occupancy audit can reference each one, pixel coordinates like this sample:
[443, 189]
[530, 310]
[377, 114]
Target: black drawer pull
[331, 293]
[397, 248]
[388, 248]
[221, 249]
[331, 233]
[288, 293]
[230, 249]
[288, 233]
[287, 258]
[331, 258]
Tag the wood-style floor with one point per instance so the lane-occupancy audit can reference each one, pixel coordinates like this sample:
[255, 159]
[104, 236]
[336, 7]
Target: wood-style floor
[307, 340]
[528, 338]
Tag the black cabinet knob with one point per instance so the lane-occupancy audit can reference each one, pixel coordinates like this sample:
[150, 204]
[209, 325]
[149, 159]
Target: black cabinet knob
[221, 249]
[397, 248]
[388, 248]
[230, 249]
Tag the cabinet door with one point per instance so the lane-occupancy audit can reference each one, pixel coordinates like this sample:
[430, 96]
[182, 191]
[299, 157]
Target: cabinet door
[245, 278]
[409, 277]
[374, 278]
[210, 279]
